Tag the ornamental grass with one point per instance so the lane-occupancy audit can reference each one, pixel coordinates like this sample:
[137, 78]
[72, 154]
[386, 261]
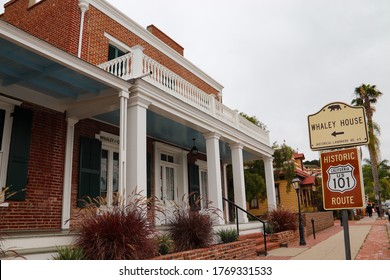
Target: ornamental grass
[191, 227]
[116, 232]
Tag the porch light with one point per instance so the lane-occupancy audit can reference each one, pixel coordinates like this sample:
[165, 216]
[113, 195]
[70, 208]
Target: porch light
[194, 149]
[296, 183]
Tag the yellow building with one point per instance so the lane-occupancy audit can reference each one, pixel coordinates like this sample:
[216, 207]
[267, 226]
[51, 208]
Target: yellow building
[286, 196]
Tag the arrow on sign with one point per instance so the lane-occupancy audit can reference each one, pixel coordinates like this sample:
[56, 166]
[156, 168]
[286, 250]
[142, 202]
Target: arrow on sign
[337, 133]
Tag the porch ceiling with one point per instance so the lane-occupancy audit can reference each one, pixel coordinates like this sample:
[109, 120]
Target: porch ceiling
[167, 130]
[23, 67]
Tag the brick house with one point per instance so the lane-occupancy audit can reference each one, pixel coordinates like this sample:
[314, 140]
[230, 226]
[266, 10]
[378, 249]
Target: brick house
[92, 104]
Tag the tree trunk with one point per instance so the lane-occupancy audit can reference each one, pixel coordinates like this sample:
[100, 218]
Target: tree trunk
[373, 156]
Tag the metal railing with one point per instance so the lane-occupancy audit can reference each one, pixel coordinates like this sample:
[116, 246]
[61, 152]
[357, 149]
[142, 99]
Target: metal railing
[236, 207]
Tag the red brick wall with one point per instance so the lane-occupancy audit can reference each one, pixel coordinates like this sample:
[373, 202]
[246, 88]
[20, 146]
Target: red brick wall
[165, 38]
[239, 250]
[58, 22]
[43, 204]
[322, 220]
[54, 21]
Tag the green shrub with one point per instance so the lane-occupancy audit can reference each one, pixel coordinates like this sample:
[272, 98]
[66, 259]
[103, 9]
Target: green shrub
[269, 229]
[165, 244]
[118, 232]
[228, 235]
[69, 253]
[281, 220]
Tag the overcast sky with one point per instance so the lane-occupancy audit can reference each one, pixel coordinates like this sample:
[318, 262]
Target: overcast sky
[282, 60]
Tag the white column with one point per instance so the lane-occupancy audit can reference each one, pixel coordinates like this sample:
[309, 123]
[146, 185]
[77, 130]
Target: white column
[225, 192]
[84, 5]
[239, 180]
[270, 183]
[136, 65]
[214, 173]
[136, 160]
[67, 187]
[123, 97]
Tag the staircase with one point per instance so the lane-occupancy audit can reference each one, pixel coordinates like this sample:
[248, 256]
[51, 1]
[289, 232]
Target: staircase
[259, 238]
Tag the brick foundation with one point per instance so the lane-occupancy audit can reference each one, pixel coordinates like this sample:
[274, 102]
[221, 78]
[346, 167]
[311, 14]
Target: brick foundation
[239, 250]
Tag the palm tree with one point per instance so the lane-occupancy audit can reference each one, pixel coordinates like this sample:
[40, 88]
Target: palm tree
[366, 96]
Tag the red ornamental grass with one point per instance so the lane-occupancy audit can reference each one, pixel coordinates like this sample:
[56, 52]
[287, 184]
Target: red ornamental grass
[191, 229]
[282, 220]
[118, 233]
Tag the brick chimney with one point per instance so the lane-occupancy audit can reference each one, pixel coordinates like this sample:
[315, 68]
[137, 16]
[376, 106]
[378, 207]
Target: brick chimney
[166, 39]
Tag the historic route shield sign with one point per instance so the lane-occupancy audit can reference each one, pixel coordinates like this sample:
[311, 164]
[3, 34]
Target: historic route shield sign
[342, 179]
[337, 125]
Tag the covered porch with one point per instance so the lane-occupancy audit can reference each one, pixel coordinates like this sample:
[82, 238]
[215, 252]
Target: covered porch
[157, 116]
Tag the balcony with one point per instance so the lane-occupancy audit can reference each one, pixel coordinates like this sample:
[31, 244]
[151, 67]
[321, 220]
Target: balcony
[135, 63]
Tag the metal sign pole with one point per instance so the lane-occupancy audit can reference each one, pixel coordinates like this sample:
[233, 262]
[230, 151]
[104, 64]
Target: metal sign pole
[344, 218]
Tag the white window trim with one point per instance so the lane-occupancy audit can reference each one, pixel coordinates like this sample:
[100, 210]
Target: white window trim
[202, 168]
[8, 105]
[180, 163]
[117, 43]
[110, 143]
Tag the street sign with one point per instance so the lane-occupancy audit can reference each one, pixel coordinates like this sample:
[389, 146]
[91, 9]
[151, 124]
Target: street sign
[337, 125]
[342, 186]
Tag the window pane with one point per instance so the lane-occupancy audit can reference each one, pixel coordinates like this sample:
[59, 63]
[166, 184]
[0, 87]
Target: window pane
[103, 173]
[115, 179]
[170, 183]
[2, 118]
[161, 184]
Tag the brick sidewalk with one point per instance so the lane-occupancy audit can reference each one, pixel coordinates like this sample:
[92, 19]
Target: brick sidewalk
[375, 247]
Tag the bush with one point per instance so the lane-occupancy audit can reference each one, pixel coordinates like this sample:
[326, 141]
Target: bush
[165, 244]
[282, 220]
[228, 235]
[69, 253]
[269, 229]
[191, 229]
[117, 233]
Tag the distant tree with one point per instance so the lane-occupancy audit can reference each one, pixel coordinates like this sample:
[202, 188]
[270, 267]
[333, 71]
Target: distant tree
[366, 96]
[254, 120]
[255, 187]
[313, 163]
[384, 179]
[284, 163]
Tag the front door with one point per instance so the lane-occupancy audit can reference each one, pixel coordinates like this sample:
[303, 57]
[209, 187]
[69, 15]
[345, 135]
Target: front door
[167, 185]
[109, 175]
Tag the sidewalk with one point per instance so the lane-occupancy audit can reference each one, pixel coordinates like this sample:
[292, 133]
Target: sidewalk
[369, 240]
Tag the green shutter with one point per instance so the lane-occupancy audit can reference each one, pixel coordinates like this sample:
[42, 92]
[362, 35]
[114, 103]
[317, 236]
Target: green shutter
[89, 171]
[193, 183]
[17, 172]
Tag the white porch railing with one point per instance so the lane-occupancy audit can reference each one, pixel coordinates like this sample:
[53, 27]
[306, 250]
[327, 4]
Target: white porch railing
[135, 63]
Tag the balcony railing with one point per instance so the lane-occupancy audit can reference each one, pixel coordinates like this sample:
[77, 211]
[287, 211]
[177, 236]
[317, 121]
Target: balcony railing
[135, 63]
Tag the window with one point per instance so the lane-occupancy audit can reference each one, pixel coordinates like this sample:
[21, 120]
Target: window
[109, 174]
[19, 153]
[277, 194]
[33, 2]
[167, 177]
[254, 203]
[114, 52]
[15, 122]
[203, 188]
